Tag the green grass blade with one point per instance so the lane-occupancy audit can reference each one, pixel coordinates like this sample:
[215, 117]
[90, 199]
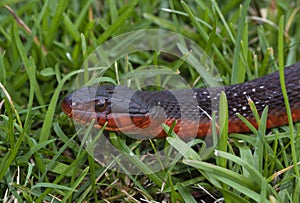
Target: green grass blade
[118, 22]
[55, 23]
[185, 194]
[284, 92]
[223, 122]
[237, 71]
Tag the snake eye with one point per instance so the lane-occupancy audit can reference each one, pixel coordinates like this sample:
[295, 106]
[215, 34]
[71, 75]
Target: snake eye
[100, 105]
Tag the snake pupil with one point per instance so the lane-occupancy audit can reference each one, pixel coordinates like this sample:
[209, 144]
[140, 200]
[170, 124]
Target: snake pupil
[100, 105]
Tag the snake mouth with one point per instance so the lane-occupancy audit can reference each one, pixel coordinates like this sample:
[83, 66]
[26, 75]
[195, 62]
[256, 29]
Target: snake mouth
[66, 105]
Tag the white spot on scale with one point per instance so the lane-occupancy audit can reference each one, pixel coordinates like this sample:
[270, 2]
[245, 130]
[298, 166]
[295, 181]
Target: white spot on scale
[244, 93]
[234, 109]
[74, 103]
[235, 94]
[261, 87]
[244, 108]
[253, 90]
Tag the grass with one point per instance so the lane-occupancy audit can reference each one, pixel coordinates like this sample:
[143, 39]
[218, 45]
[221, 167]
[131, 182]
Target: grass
[43, 46]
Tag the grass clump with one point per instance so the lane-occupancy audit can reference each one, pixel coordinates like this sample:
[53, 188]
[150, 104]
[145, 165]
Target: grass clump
[43, 45]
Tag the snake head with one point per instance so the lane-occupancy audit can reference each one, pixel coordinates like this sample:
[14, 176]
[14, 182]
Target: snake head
[88, 100]
[120, 107]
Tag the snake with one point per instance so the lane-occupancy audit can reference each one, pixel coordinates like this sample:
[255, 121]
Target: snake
[187, 111]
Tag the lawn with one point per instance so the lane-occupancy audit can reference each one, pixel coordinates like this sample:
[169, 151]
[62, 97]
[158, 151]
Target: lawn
[49, 48]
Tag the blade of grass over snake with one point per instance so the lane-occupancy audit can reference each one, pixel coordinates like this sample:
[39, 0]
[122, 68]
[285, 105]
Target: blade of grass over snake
[223, 123]
[260, 141]
[284, 92]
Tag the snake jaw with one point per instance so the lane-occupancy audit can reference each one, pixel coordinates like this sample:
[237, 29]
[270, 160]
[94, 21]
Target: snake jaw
[66, 105]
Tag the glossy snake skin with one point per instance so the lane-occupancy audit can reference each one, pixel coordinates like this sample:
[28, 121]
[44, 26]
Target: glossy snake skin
[142, 112]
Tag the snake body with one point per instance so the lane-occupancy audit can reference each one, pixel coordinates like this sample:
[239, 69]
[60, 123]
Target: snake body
[189, 111]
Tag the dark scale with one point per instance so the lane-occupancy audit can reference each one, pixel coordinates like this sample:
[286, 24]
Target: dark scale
[176, 104]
